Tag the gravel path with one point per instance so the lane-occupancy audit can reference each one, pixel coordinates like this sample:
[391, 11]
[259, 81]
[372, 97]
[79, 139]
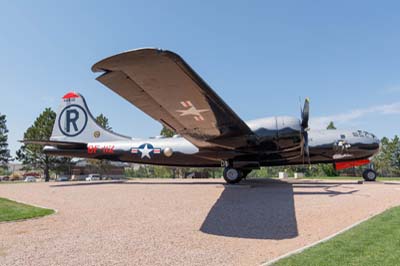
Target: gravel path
[183, 222]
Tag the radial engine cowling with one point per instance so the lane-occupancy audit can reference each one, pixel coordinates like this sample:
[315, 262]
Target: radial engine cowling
[284, 131]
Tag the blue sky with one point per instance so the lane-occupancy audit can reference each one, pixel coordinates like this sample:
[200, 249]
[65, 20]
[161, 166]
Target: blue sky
[259, 56]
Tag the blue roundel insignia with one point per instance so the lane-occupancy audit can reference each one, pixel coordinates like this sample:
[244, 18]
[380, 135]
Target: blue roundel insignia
[146, 150]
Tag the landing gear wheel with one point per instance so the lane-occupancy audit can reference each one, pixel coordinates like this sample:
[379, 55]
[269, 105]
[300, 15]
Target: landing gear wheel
[232, 175]
[369, 175]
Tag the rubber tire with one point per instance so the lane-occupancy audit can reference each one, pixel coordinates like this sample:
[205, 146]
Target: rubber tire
[369, 175]
[230, 180]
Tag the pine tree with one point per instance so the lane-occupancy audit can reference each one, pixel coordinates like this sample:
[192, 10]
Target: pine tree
[32, 155]
[103, 122]
[331, 125]
[4, 151]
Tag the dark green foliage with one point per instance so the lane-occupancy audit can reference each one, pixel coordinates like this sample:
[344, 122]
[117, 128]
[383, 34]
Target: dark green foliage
[328, 170]
[331, 125]
[32, 155]
[387, 161]
[166, 132]
[103, 122]
[4, 151]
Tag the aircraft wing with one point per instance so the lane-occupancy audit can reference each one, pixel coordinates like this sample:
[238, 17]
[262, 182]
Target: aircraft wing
[164, 86]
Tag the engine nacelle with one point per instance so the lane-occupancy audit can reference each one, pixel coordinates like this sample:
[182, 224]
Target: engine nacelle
[285, 131]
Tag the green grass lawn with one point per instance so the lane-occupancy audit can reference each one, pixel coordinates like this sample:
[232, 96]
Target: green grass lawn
[374, 242]
[12, 211]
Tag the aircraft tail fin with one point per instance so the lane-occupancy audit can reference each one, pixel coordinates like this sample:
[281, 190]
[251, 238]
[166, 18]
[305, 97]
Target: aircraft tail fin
[74, 123]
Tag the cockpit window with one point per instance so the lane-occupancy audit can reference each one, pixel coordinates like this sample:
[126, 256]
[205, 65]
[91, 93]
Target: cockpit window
[370, 135]
[363, 134]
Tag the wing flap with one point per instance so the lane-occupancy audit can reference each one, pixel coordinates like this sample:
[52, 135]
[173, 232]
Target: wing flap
[128, 89]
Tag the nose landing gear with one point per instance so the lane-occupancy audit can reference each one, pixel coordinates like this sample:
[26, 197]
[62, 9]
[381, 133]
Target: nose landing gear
[232, 175]
[369, 175]
[235, 175]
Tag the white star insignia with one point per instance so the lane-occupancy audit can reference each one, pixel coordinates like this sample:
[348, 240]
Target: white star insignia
[192, 111]
[145, 152]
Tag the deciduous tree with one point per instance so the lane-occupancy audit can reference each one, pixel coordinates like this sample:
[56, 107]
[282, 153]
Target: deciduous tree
[387, 161]
[166, 132]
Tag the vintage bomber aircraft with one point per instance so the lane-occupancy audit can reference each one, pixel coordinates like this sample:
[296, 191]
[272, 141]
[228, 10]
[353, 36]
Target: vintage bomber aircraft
[210, 134]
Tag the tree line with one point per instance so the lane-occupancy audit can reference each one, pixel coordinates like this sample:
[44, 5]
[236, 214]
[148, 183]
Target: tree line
[386, 162]
[32, 156]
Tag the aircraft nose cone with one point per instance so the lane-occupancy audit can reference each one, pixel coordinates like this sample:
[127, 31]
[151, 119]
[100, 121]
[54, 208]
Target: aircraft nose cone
[377, 145]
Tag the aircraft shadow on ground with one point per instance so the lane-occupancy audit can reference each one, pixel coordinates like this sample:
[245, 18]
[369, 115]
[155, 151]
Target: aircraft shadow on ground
[254, 209]
[261, 209]
[254, 212]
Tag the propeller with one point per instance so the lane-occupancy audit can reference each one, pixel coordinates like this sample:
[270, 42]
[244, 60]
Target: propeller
[305, 117]
[305, 114]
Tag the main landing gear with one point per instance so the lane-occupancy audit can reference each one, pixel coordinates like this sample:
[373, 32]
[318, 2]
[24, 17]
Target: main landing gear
[369, 175]
[234, 176]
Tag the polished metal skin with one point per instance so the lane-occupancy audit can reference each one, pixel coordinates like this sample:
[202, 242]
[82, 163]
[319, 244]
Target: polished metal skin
[210, 134]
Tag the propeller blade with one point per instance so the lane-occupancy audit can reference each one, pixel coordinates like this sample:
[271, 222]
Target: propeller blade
[305, 115]
[306, 147]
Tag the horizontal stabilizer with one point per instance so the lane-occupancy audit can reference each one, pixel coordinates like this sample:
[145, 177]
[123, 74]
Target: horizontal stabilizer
[63, 144]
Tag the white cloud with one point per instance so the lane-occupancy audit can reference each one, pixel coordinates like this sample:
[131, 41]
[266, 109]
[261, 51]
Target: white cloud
[351, 116]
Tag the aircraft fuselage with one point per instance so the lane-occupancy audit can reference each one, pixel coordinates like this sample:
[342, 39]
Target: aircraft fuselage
[276, 145]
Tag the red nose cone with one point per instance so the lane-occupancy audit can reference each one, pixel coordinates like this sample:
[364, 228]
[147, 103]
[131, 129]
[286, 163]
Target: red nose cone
[70, 95]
